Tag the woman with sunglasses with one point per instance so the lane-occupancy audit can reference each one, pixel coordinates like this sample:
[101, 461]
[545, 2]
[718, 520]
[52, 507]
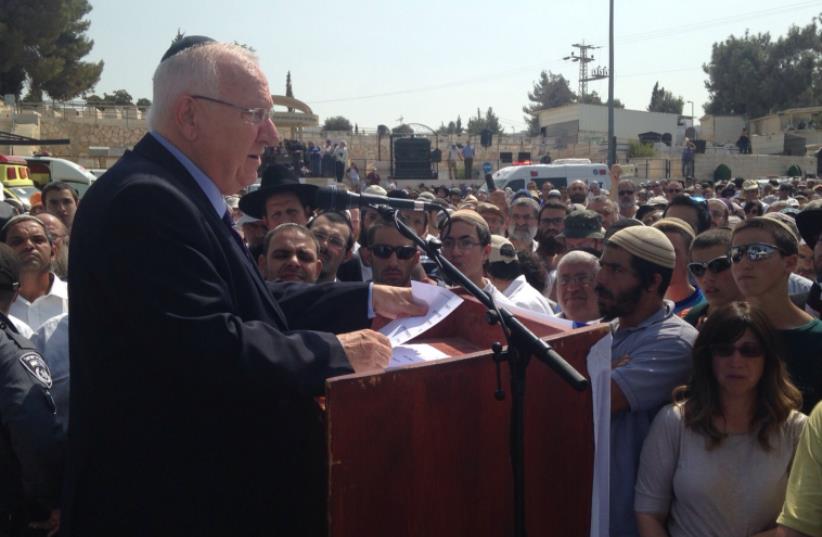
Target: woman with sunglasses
[709, 268]
[764, 254]
[716, 461]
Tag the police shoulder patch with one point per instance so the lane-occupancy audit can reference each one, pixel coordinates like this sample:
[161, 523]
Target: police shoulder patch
[37, 368]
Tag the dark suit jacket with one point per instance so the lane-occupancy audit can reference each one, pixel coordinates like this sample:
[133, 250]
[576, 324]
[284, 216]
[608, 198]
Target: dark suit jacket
[192, 408]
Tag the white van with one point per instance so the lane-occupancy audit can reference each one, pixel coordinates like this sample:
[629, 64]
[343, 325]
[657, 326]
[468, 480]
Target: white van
[560, 173]
[45, 170]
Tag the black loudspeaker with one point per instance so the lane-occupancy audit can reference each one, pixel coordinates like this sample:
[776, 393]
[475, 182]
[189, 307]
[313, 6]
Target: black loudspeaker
[412, 158]
[436, 155]
[700, 146]
[412, 149]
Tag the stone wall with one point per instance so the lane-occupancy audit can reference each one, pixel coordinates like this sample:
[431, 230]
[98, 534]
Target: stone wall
[85, 135]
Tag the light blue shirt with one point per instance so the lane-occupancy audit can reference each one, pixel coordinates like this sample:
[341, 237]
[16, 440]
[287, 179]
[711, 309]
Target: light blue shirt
[205, 183]
[660, 359]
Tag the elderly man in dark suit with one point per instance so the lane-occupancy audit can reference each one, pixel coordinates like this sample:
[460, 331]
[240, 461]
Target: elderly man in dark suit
[193, 384]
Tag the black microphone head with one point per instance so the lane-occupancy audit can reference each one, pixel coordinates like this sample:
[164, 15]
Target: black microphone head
[329, 198]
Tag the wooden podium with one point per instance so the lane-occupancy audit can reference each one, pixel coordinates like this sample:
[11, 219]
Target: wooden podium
[424, 450]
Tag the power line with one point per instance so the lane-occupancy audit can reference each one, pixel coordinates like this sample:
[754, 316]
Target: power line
[629, 38]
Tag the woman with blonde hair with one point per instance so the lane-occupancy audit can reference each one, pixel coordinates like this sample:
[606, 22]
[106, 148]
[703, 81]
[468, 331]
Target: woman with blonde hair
[716, 461]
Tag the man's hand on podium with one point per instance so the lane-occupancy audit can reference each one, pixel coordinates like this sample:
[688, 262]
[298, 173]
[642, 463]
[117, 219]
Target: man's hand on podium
[393, 302]
[366, 350]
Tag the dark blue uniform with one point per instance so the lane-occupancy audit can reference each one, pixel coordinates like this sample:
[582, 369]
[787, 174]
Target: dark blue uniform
[31, 439]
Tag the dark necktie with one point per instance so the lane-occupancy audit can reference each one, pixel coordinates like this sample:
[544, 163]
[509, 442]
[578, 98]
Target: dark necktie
[239, 240]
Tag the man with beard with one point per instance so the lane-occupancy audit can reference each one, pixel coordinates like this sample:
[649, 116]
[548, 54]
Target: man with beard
[626, 199]
[391, 255]
[606, 208]
[650, 353]
[551, 223]
[578, 192]
[336, 238]
[290, 254]
[523, 224]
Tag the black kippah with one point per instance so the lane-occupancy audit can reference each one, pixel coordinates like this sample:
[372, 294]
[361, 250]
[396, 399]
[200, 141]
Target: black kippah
[185, 43]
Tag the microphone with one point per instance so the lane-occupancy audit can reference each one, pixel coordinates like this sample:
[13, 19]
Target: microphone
[336, 199]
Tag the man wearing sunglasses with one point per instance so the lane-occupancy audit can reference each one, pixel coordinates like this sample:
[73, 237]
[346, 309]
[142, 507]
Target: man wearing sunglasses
[392, 256]
[709, 267]
[626, 199]
[764, 253]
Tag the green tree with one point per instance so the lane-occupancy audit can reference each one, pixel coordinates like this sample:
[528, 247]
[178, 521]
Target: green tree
[753, 75]
[42, 43]
[402, 130]
[663, 100]
[142, 102]
[490, 121]
[550, 91]
[337, 123]
[594, 98]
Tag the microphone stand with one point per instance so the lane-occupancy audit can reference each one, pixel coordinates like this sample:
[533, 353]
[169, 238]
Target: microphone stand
[522, 344]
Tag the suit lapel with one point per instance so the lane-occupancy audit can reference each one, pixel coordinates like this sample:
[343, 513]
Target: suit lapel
[151, 149]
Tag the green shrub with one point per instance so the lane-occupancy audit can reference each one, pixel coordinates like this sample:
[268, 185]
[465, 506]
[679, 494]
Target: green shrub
[640, 150]
[794, 171]
[722, 173]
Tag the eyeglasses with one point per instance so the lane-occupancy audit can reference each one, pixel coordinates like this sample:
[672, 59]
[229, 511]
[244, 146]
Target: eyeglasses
[626, 192]
[583, 280]
[754, 252]
[333, 240]
[463, 243]
[384, 251]
[748, 349]
[255, 116]
[715, 265]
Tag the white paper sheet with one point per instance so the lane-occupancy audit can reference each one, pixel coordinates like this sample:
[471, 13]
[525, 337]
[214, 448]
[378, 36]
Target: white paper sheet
[412, 353]
[440, 302]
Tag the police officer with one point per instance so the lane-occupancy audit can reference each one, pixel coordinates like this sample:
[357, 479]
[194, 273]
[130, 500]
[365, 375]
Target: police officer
[31, 439]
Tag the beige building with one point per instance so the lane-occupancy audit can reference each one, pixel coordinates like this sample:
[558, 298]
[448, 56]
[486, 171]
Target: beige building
[721, 130]
[588, 124]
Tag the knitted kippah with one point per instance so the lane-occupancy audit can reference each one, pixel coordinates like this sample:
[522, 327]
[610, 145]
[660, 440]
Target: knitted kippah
[646, 243]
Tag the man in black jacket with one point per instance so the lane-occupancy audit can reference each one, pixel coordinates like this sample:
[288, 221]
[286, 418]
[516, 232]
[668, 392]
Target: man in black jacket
[192, 403]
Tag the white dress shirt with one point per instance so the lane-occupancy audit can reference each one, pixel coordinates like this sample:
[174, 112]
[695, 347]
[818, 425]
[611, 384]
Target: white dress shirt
[523, 295]
[43, 308]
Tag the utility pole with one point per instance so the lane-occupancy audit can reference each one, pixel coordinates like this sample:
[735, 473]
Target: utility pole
[611, 141]
[584, 59]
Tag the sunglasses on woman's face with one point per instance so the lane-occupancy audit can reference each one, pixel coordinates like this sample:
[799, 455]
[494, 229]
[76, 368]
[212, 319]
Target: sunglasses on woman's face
[754, 252]
[384, 251]
[715, 265]
[749, 349]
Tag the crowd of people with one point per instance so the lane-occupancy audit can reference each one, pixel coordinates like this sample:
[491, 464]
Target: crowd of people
[205, 319]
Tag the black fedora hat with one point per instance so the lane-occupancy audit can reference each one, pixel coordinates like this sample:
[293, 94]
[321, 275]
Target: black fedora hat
[276, 179]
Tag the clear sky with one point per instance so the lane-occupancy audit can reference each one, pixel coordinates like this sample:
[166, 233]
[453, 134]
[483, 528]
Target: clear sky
[426, 61]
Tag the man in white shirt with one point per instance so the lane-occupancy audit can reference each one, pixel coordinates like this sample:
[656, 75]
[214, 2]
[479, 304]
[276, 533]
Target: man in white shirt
[42, 294]
[504, 271]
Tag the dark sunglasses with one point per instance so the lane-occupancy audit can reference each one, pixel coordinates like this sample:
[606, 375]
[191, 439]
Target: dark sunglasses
[746, 350]
[755, 252]
[383, 251]
[715, 265]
